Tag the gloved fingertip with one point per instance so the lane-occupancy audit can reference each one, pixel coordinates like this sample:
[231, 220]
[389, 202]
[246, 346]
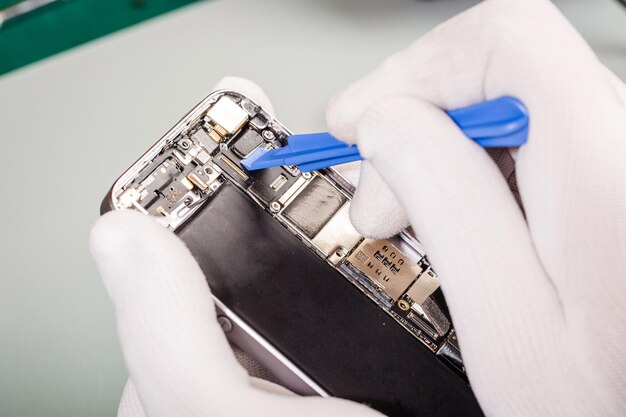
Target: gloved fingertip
[395, 112]
[248, 88]
[350, 171]
[341, 118]
[375, 212]
[371, 226]
[112, 232]
[128, 243]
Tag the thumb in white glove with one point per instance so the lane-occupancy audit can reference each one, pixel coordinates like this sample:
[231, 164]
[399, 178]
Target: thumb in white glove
[536, 300]
[178, 358]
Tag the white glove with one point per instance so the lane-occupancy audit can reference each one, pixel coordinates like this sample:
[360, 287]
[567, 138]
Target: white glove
[179, 361]
[537, 301]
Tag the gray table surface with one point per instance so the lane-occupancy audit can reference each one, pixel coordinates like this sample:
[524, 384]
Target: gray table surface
[69, 125]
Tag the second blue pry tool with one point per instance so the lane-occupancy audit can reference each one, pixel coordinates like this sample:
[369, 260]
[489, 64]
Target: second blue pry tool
[498, 123]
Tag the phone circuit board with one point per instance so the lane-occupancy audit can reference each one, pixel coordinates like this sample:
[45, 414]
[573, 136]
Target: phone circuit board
[180, 174]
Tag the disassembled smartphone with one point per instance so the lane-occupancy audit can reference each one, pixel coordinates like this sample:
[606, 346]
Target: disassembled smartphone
[326, 310]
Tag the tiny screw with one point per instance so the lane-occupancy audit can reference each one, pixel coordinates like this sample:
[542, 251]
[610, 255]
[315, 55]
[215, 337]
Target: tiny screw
[268, 135]
[226, 324]
[208, 170]
[275, 207]
[306, 175]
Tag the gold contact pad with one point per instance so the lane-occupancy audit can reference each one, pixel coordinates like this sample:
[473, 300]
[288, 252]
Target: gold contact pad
[386, 265]
[234, 167]
[215, 136]
[227, 116]
[197, 181]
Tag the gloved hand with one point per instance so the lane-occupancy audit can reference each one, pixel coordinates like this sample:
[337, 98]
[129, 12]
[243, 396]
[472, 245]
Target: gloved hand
[537, 300]
[179, 361]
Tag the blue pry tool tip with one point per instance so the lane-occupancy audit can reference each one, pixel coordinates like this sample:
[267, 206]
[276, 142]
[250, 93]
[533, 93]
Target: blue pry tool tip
[498, 123]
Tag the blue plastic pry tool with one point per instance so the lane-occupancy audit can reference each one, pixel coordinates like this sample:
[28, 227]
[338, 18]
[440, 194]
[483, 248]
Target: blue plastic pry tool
[498, 123]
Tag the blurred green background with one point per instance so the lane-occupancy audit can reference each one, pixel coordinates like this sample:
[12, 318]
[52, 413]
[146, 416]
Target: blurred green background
[68, 23]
